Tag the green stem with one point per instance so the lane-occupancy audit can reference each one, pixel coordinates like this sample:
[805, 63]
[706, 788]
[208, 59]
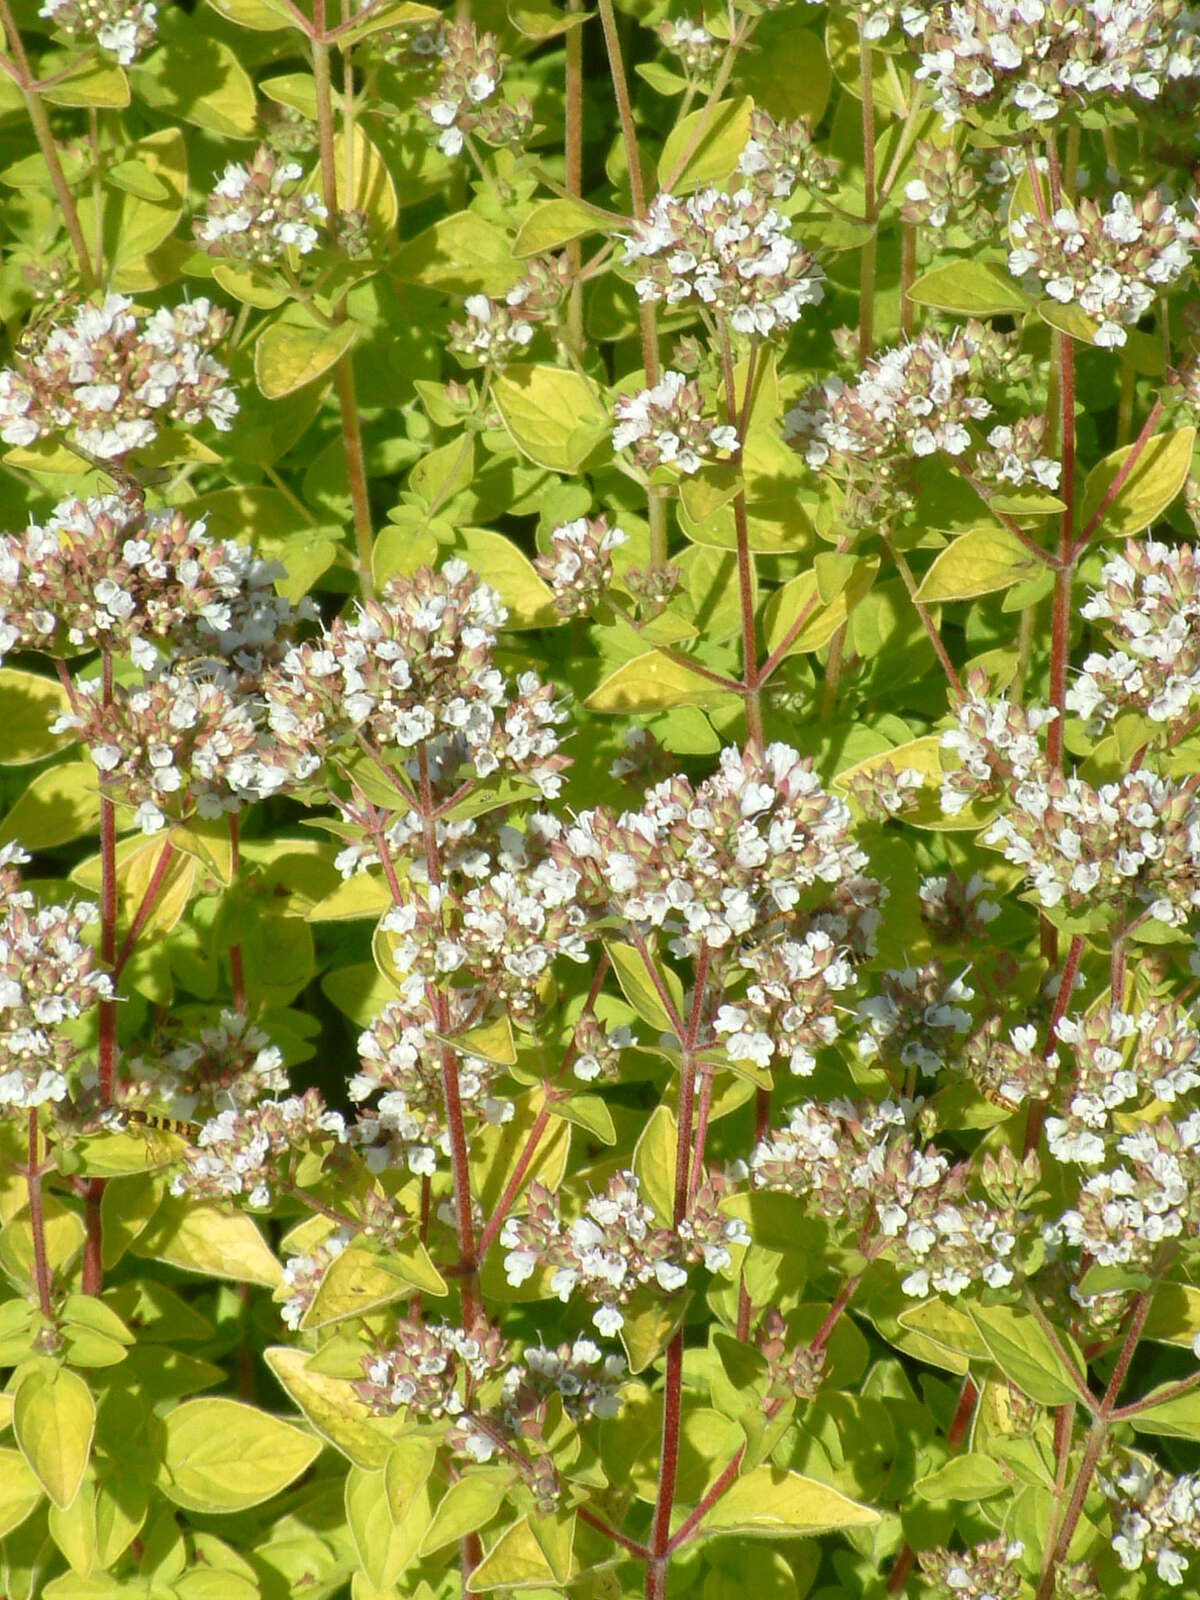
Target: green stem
[573, 163]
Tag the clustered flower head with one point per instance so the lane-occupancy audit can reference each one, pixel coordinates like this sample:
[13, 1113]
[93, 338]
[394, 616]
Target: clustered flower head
[465, 100]
[1149, 605]
[916, 1018]
[615, 1247]
[985, 1572]
[724, 862]
[202, 1070]
[779, 155]
[401, 1060]
[948, 189]
[791, 1004]
[415, 668]
[121, 28]
[495, 331]
[794, 1371]
[956, 913]
[1036, 59]
[587, 1380]
[580, 568]
[917, 399]
[688, 40]
[597, 1052]
[1111, 263]
[667, 427]
[428, 1369]
[861, 1169]
[1150, 1194]
[729, 252]
[1158, 1519]
[877, 18]
[256, 212]
[171, 746]
[108, 381]
[1013, 458]
[248, 1152]
[1133, 842]
[107, 572]
[302, 1274]
[48, 976]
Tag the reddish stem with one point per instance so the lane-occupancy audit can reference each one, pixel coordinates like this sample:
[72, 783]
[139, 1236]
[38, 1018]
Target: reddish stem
[92, 1272]
[615, 1534]
[513, 1187]
[660, 987]
[142, 915]
[1118, 483]
[660, 1536]
[1060, 627]
[37, 1222]
[237, 971]
[762, 1121]
[1033, 1126]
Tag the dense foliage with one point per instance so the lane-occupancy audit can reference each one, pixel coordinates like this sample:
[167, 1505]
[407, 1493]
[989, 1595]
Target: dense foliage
[600, 845]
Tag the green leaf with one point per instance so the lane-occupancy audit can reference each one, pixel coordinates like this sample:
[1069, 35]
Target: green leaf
[363, 895]
[945, 1324]
[589, 1112]
[264, 16]
[978, 562]
[656, 682]
[654, 1158]
[1158, 476]
[29, 703]
[95, 82]
[409, 1465]
[639, 989]
[463, 253]
[554, 223]
[466, 1506]
[211, 1240]
[822, 617]
[390, 14]
[553, 415]
[1176, 1419]
[60, 804]
[970, 289]
[361, 1280]
[1024, 1353]
[772, 1503]
[334, 1410]
[198, 80]
[517, 1560]
[651, 1321]
[509, 571]
[968, 1477]
[20, 1490]
[54, 1418]
[253, 286]
[1175, 1314]
[295, 351]
[221, 1455]
[725, 131]
[541, 19]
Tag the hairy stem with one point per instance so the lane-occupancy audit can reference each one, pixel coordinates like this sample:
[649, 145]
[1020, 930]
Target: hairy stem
[573, 157]
[1037, 1110]
[107, 1044]
[37, 1222]
[738, 419]
[866, 278]
[146, 906]
[237, 970]
[1060, 627]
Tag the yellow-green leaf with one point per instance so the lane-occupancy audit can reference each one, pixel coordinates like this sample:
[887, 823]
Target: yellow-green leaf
[969, 289]
[1152, 484]
[801, 598]
[656, 682]
[363, 895]
[200, 81]
[715, 155]
[220, 1455]
[640, 990]
[968, 1477]
[95, 82]
[408, 1468]
[60, 804]
[467, 1505]
[510, 572]
[54, 1418]
[361, 1280]
[516, 1561]
[555, 416]
[20, 1490]
[654, 1158]
[29, 703]
[978, 562]
[334, 1410]
[206, 1238]
[294, 352]
[463, 253]
[773, 1503]
[1025, 1354]
[554, 223]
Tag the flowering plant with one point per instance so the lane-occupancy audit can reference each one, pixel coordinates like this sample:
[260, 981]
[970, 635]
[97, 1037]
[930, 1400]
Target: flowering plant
[599, 800]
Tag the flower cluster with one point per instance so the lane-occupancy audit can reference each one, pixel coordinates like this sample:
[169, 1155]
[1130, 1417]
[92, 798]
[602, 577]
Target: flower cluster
[1134, 842]
[696, 49]
[107, 572]
[199, 1071]
[596, 1053]
[1010, 1070]
[779, 155]
[1038, 58]
[946, 188]
[1111, 263]
[108, 381]
[48, 976]
[915, 1019]
[302, 1274]
[1159, 1519]
[615, 1247]
[794, 1371]
[257, 212]
[729, 252]
[790, 1008]
[985, 1572]
[667, 428]
[495, 331]
[723, 862]
[585, 1378]
[173, 746]
[878, 18]
[121, 28]
[997, 744]
[1150, 606]
[1013, 458]
[428, 1369]
[401, 1056]
[580, 569]
[861, 1170]
[914, 400]
[250, 1151]
[415, 668]
[1121, 1061]
[956, 913]
[465, 100]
